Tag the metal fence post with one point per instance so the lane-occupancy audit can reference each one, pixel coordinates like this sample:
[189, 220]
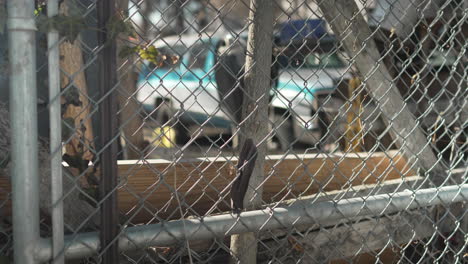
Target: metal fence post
[108, 130]
[55, 137]
[23, 116]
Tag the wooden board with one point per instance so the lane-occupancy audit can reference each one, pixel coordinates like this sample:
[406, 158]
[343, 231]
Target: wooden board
[200, 182]
[147, 188]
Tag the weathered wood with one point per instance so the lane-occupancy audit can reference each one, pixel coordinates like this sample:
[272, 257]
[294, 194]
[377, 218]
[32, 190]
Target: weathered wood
[72, 74]
[352, 30]
[203, 184]
[255, 114]
[147, 187]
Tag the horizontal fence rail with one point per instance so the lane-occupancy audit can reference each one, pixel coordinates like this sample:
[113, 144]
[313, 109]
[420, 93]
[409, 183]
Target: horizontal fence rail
[168, 233]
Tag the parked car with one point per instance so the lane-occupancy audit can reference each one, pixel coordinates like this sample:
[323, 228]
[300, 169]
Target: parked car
[187, 91]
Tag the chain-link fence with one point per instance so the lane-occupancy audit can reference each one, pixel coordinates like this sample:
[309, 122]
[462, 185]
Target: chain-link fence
[197, 131]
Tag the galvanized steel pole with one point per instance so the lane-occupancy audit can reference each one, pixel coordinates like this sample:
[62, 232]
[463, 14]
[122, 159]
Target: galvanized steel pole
[23, 116]
[55, 138]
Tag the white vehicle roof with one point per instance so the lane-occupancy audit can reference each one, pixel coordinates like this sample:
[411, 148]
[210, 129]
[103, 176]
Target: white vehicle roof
[190, 39]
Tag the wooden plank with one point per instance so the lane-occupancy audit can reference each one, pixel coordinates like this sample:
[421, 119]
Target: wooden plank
[72, 74]
[146, 187]
[203, 183]
[257, 81]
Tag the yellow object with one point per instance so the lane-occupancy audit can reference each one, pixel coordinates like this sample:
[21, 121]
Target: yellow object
[354, 133]
[163, 137]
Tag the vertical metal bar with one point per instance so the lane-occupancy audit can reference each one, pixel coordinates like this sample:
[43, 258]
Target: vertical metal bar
[108, 130]
[55, 138]
[23, 116]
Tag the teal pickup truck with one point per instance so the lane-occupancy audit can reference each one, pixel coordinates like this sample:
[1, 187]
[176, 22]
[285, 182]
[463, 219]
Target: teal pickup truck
[185, 93]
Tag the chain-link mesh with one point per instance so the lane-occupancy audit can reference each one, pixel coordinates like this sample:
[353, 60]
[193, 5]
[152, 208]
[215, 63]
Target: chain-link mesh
[331, 132]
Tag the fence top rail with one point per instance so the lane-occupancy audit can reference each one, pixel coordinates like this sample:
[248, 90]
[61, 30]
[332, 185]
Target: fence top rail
[298, 156]
[170, 232]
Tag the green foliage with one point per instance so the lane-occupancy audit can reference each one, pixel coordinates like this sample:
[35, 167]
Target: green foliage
[40, 8]
[67, 26]
[118, 25]
[70, 26]
[127, 51]
[150, 53]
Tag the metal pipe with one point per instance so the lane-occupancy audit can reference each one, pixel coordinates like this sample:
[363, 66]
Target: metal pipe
[55, 137]
[171, 232]
[23, 116]
[108, 131]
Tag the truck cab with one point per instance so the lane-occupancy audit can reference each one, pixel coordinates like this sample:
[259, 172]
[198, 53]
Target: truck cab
[185, 94]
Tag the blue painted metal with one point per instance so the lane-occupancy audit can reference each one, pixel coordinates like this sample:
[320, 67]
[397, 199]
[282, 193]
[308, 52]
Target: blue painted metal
[301, 29]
